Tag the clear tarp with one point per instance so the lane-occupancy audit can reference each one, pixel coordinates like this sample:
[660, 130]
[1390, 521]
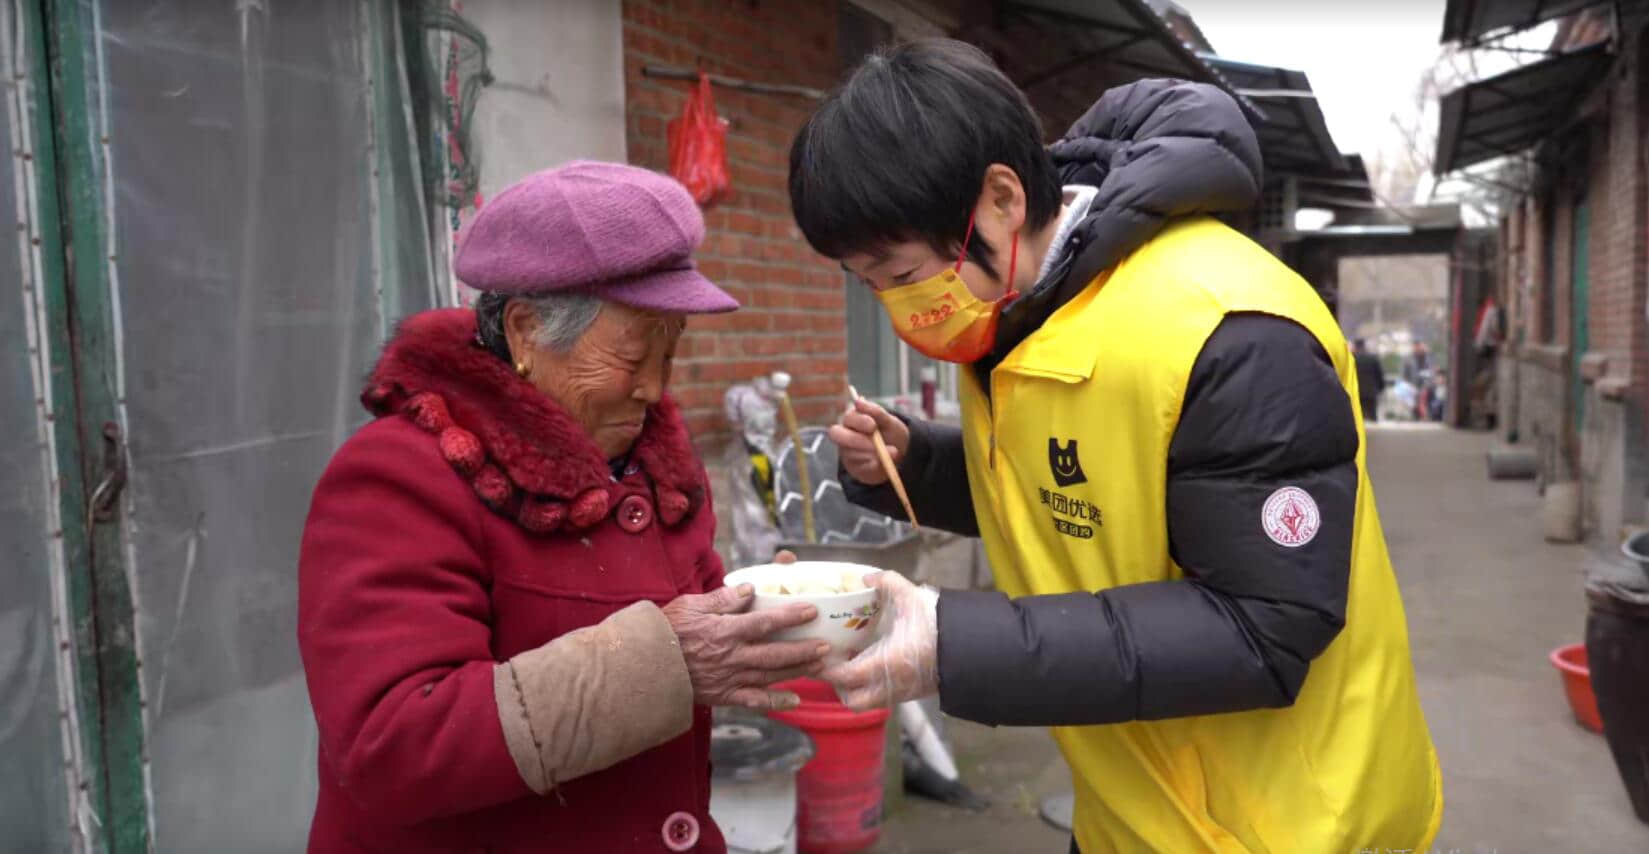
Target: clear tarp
[246, 189]
[34, 792]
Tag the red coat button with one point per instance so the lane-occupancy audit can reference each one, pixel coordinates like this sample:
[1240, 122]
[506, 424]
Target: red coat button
[681, 832]
[635, 513]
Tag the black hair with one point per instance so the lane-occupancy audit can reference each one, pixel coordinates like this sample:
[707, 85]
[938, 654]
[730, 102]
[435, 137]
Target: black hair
[489, 324]
[900, 150]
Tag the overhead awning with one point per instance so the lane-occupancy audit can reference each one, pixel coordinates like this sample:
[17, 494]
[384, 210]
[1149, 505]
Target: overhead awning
[1294, 137]
[1124, 33]
[1347, 188]
[1415, 218]
[1509, 113]
[1470, 20]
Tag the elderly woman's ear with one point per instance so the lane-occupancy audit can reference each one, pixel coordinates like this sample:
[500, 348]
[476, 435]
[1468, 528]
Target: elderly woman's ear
[520, 329]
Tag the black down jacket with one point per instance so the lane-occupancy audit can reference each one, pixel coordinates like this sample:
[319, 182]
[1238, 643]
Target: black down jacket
[1263, 409]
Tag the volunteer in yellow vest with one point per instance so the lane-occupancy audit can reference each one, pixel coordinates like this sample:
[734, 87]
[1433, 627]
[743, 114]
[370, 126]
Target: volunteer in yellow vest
[1159, 448]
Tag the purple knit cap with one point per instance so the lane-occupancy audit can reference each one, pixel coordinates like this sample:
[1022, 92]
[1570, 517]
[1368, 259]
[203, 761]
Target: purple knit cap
[620, 233]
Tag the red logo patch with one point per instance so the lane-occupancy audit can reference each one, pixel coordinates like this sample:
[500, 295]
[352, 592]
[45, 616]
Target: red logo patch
[1290, 517]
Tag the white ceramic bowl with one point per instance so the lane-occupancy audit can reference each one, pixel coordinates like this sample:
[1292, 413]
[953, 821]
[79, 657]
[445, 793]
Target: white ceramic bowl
[846, 621]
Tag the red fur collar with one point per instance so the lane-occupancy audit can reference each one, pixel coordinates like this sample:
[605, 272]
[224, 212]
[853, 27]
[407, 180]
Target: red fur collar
[525, 456]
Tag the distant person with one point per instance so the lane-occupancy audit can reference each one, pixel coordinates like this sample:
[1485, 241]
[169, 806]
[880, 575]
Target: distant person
[1404, 396]
[1371, 379]
[1437, 396]
[1417, 364]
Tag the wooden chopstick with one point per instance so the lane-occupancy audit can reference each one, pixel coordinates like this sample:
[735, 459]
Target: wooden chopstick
[887, 465]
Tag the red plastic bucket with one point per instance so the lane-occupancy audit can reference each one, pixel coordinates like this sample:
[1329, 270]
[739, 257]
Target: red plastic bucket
[839, 792]
[1577, 684]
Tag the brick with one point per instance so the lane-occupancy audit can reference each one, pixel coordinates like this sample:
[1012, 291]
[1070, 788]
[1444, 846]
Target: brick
[820, 344]
[691, 396]
[771, 202]
[725, 245]
[719, 371]
[715, 270]
[821, 322]
[695, 346]
[785, 229]
[744, 222]
[738, 321]
[819, 300]
[651, 127]
[773, 297]
[818, 384]
[824, 278]
[784, 275]
[747, 272]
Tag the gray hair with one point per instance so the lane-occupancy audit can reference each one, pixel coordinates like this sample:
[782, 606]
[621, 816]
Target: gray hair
[562, 320]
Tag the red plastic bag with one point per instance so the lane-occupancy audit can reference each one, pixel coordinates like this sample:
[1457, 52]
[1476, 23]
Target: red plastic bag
[698, 146]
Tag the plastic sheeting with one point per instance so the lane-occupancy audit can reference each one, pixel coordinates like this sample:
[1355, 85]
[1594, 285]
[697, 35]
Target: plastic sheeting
[34, 790]
[246, 225]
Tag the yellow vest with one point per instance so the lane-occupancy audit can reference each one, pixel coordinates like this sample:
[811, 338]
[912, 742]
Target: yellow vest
[1350, 765]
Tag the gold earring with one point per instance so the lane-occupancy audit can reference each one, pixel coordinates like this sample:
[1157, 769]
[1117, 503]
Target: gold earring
[521, 370]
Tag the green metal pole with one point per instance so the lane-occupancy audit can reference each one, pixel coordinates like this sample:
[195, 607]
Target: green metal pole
[64, 415]
[87, 304]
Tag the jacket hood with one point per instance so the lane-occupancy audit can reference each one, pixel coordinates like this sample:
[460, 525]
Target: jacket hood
[1155, 150]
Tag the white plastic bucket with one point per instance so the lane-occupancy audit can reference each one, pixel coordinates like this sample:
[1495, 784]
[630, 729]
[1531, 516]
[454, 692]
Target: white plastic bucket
[1560, 514]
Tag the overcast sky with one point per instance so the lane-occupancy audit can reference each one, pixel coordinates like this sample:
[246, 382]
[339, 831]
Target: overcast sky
[1364, 57]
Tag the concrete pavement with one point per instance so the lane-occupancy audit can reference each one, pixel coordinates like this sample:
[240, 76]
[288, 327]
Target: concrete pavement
[1487, 599]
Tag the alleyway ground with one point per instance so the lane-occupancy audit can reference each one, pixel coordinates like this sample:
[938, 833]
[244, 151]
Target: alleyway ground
[1487, 599]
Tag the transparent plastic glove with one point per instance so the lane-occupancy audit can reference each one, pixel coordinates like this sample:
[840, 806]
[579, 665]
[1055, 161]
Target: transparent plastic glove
[903, 663]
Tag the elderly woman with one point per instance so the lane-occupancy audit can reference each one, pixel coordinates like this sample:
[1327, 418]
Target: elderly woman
[512, 618]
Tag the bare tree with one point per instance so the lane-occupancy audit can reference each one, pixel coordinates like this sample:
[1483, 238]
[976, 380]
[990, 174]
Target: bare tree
[1483, 190]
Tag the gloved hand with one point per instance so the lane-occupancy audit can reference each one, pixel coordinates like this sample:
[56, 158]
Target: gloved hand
[903, 663]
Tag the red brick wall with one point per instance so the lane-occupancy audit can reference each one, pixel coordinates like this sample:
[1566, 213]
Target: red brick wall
[1639, 255]
[1619, 233]
[1514, 292]
[1562, 276]
[793, 315]
[1536, 212]
[1613, 200]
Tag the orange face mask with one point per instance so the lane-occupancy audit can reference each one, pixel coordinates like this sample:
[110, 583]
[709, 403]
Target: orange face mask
[941, 319]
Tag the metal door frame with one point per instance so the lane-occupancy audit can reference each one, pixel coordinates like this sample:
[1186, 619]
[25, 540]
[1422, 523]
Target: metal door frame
[89, 420]
[81, 340]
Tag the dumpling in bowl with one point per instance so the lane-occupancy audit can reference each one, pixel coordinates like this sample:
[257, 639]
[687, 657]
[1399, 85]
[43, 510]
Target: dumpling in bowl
[814, 587]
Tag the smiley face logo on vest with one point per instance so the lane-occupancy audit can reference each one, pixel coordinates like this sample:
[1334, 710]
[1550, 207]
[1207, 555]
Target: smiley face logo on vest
[1067, 467]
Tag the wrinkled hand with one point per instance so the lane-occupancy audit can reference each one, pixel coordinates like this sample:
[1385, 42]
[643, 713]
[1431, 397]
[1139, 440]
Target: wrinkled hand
[903, 663]
[852, 437]
[727, 660]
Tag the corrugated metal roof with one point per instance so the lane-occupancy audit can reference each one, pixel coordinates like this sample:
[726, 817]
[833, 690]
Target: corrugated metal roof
[1511, 112]
[1470, 20]
[1143, 42]
[1294, 137]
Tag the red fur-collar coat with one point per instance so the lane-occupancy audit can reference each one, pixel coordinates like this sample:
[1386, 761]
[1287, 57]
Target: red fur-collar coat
[473, 521]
